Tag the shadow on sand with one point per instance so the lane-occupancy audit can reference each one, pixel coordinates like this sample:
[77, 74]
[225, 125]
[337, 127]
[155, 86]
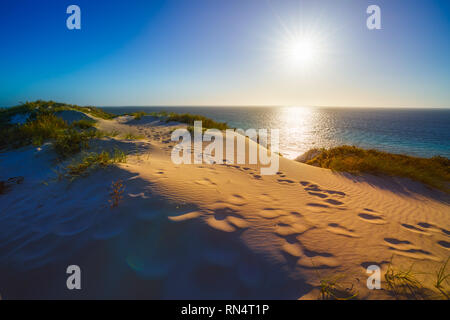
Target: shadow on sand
[130, 252]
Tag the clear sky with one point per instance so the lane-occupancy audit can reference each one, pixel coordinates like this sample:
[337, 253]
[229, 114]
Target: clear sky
[226, 52]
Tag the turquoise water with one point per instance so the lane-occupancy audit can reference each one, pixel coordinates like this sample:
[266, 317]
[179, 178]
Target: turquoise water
[418, 132]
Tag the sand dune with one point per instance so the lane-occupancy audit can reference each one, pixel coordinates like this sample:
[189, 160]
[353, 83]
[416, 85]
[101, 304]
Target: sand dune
[208, 231]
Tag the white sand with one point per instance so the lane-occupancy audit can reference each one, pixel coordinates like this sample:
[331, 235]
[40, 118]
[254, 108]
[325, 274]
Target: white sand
[208, 231]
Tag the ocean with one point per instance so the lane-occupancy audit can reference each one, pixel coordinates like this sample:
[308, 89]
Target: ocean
[416, 132]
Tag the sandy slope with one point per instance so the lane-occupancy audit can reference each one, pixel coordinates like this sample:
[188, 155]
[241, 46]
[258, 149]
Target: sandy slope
[208, 231]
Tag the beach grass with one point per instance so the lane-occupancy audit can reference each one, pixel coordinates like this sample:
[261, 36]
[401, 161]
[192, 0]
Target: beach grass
[191, 118]
[84, 124]
[442, 282]
[138, 115]
[336, 288]
[403, 283]
[36, 132]
[132, 136]
[44, 124]
[70, 142]
[94, 160]
[434, 172]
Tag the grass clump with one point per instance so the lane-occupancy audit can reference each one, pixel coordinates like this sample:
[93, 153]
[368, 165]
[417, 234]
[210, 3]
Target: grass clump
[84, 124]
[94, 160]
[117, 189]
[403, 283]
[442, 277]
[66, 140]
[70, 142]
[138, 115]
[190, 118]
[336, 288]
[36, 131]
[434, 172]
[132, 136]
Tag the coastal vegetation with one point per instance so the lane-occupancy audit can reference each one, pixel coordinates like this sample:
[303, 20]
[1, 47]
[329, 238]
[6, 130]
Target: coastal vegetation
[132, 136]
[191, 118]
[434, 172]
[94, 160]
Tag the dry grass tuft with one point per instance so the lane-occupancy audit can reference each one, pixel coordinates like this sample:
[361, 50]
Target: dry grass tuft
[117, 189]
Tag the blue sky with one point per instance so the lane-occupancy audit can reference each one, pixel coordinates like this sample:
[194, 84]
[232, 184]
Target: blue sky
[211, 52]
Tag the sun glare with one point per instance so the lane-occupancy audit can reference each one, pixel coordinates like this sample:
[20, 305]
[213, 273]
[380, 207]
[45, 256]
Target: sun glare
[301, 52]
[301, 46]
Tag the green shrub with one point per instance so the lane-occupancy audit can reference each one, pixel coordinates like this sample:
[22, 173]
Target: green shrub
[35, 131]
[138, 115]
[83, 124]
[70, 142]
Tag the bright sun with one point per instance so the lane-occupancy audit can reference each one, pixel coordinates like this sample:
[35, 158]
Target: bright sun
[301, 52]
[301, 45]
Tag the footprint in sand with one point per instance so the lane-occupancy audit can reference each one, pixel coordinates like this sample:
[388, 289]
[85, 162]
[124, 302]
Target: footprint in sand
[237, 200]
[318, 194]
[334, 192]
[289, 229]
[334, 202]
[372, 218]
[316, 191]
[316, 259]
[402, 244]
[317, 207]
[313, 187]
[206, 182]
[408, 249]
[295, 252]
[296, 214]
[285, 181]
[221, 211]
[272, 213]
[414, 229]
[444, 244]
[342, 231]
[432, 228]
[225, 218]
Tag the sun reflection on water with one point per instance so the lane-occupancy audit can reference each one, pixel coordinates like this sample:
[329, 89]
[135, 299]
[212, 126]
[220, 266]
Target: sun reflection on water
[299, 131]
